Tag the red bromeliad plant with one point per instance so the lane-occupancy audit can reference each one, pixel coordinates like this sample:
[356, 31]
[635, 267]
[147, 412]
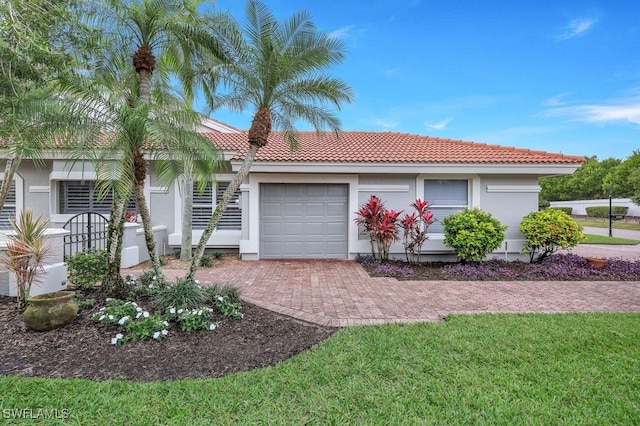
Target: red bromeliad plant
[415, 227]
[381, 225]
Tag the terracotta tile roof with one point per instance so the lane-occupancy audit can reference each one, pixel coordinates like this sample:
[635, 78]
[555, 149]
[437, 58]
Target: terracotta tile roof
[385, 147]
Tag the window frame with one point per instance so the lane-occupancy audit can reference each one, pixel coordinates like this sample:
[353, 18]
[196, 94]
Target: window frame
[234, 209]
[473, 191]
[62, 207]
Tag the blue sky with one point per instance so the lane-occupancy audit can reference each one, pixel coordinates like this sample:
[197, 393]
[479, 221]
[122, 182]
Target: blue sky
[559, 76]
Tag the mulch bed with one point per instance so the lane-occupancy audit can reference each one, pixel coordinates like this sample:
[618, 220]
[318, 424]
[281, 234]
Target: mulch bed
[83, 349]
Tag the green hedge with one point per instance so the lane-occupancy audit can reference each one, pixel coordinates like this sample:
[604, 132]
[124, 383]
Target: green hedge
[567, 210]
[603, 211]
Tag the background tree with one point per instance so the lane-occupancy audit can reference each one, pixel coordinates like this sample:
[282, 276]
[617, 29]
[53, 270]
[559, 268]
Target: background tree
[32, 51]
[622, 178]
[277, 69]
[586, 183]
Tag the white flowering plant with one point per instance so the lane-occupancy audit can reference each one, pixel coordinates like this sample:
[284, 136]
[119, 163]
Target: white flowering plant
[147, 326]
[138, 323]
[146, 284]
[117, 312]
[229, 308]
[193, 319]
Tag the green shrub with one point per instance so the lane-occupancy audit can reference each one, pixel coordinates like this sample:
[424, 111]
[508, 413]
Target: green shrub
[176, 253]
[183, 294]
[217, 255]
[603, 211]
[85, 270]
[567, 210]
[543, 204]
[473, 233]
[206, 261]
[547, 231]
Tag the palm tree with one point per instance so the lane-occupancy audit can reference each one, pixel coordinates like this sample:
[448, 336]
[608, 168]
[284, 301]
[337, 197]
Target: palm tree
[277, 69]
[99, 113]
[163, 36]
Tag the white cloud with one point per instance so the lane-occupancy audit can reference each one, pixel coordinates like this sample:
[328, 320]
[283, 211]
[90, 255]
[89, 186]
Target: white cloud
[385, 123]
[441, 125]
[577, 28]
[625, 109]
[601, 113]
[343, 32]
[555, 101]
[392, 72]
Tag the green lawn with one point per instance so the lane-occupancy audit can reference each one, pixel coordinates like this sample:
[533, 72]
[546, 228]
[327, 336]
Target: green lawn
[605, 224]
[480, 369]
[600, 239]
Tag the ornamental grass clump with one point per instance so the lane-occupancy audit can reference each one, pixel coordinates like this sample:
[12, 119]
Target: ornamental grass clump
[183, 294]
[547, 231]
[473, 234]
[26, 252]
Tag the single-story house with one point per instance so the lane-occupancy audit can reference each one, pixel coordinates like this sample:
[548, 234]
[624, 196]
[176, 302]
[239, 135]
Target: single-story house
[302, 203]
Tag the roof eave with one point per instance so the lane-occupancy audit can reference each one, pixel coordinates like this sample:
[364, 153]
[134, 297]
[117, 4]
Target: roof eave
[540, 169]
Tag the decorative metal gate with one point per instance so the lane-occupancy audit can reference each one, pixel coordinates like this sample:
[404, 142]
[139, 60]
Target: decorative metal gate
[87, 231]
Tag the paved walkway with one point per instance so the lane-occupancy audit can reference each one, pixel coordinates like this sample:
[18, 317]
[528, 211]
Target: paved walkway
[610, 251]
[341, 293]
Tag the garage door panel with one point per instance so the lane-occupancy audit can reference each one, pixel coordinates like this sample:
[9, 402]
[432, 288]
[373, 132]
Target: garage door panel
[335, 229]
[293, 191]
[293, 209]
[317, 191]
[292, 229]
[271, 191]
[314, 209]
[334, 249]
[271, 209]
[314, 229]
[340, 191]
[334, 210]
[292, 248]
[303, 220]
[315, 249]
[272, 229]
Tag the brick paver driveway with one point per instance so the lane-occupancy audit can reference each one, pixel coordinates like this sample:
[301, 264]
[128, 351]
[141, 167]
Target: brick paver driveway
[341, 293]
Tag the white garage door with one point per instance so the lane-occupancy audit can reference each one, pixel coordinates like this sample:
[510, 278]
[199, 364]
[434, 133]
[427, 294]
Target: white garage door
[303, 220]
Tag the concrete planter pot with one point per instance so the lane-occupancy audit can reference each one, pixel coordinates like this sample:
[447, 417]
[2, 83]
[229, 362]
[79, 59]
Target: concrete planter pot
[51, 310]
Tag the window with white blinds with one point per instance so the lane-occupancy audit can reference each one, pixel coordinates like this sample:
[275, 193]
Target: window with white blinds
[9, 208]
[447, 196]
[204, 203]
[82, 196]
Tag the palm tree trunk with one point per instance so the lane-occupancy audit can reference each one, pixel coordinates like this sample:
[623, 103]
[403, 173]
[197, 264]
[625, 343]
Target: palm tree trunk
[113, 282]
[145, 85]
[220, 208]
[187, 216]
[148, 232]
